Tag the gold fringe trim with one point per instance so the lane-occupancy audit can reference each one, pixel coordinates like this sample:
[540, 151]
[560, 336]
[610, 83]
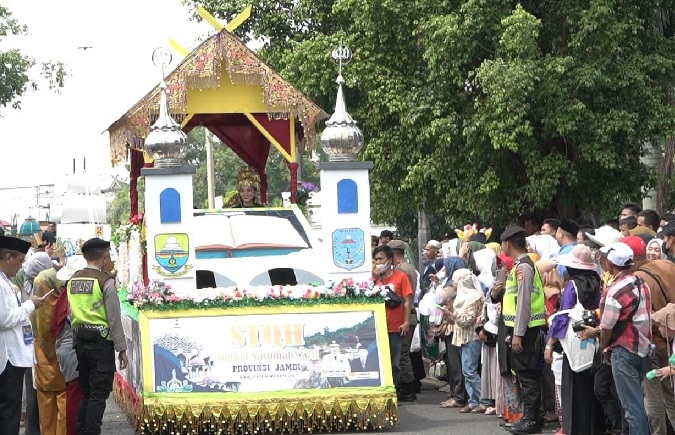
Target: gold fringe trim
[202, 69]
[296, 415]
[128, 400]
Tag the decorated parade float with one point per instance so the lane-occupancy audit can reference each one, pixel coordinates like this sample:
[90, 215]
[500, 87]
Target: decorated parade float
[237, 319]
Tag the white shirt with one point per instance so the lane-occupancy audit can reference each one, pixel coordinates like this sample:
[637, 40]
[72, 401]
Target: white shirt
[335, 365]
[12, 318]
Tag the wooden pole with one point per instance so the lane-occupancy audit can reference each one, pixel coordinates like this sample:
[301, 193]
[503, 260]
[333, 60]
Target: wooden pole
[210, 175]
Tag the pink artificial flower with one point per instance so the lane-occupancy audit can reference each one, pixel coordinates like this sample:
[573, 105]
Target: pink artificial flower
[173, 299]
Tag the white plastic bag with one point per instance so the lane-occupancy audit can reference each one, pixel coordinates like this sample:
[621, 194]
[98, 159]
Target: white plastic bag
[416, 343]
[580, 353]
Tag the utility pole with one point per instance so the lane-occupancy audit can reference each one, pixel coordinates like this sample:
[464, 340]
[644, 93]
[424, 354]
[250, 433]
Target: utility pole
[210, 176]
[423, 236]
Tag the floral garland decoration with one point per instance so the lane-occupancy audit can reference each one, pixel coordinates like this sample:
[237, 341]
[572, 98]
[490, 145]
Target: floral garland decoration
[127, 250]
[123, 232]
[160, 297]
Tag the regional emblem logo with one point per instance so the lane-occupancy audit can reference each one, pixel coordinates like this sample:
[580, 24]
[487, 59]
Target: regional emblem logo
[172, 252]
[348, 248]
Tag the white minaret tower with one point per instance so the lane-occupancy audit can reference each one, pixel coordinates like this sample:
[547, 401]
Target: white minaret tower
[168, 197]
[345, 190]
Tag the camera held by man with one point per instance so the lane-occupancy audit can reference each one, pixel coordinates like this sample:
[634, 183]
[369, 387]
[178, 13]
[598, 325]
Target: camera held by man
[588, 318]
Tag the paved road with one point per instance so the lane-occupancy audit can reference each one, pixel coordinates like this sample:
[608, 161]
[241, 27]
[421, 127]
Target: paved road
[423, 417]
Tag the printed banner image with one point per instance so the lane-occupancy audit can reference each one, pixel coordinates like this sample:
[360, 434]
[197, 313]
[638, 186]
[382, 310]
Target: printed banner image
[270, 352]
[132, 374]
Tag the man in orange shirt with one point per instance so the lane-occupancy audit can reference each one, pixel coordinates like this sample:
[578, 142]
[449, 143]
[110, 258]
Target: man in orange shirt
[398, 305]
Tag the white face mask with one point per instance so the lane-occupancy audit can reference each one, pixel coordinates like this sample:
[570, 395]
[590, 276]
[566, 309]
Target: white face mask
[383, 267]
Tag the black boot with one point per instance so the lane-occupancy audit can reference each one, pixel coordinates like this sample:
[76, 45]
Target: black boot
[525, 426]
[406, 392]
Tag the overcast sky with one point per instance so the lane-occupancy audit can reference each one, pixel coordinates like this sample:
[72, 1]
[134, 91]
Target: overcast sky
[40, 140]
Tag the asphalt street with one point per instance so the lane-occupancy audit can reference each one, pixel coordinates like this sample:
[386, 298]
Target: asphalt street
[423, 417]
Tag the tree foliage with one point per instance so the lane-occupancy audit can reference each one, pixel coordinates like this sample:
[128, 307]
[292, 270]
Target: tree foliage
[15, 67]
[484, 109]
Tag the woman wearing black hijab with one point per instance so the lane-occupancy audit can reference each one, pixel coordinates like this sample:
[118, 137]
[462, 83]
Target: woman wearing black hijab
[581, 411]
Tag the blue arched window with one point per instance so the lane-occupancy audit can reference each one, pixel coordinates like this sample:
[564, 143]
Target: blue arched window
[169, 206]
[347, 196]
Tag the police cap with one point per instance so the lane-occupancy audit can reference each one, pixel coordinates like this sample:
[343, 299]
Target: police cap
[511, 231]
[94, 243]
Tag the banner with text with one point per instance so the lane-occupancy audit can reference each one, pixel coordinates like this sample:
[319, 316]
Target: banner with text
[269, 352]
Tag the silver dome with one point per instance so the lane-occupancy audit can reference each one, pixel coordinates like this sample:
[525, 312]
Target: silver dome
[341, 139]
[166, 142]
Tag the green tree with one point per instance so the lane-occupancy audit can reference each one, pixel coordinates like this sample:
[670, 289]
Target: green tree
[479, 110]
[15, 67]
[119, 209]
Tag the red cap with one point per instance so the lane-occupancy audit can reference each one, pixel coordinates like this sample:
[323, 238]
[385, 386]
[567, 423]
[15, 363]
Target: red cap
[635, 243]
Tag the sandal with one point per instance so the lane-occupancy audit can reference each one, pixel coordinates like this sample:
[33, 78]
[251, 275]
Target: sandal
[450, 403]
[490, 411]
[480, 409]
[467, 409]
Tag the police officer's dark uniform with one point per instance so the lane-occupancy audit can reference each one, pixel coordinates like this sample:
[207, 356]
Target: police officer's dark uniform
[96, 322]
[523, 310]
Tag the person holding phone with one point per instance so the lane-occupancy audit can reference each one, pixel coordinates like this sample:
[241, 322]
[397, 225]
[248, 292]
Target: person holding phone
[48, 378]
[16, 334]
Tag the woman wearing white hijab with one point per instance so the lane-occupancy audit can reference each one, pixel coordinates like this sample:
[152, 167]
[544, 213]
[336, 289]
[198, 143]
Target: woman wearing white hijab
[546, 246]
[486, 262]
[466, 311]
[655, 250]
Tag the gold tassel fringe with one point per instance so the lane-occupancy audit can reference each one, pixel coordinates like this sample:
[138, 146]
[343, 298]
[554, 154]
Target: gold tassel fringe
[301, 415]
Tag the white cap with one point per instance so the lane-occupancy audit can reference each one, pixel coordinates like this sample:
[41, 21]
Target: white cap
[435, 243]
[73, 264]
[618, 254]
[605, 236]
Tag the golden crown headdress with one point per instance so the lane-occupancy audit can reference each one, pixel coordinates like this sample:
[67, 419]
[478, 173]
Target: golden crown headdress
[248, 177]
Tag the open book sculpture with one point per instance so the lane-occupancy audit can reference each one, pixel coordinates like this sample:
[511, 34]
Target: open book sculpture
[222, 232]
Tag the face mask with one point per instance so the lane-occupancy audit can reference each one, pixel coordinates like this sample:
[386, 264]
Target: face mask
[383, 267]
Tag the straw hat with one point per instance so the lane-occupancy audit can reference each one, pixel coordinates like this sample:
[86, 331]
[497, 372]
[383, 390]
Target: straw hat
[581, 257]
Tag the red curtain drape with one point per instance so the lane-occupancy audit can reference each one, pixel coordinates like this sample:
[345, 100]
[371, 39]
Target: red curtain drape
[247, 142]
[250, 146]
[136, 165]
[137, 162]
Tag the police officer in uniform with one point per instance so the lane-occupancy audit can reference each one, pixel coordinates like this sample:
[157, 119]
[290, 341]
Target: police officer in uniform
[523, 314]
[97, 325]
